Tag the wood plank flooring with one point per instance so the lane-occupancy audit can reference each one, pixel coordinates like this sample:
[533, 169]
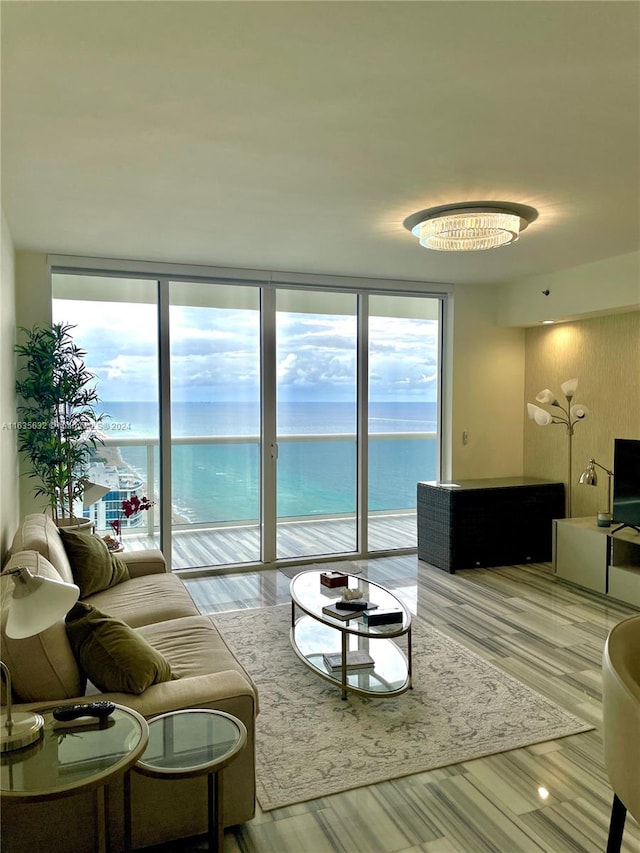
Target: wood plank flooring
[235, 544]
[551, 797]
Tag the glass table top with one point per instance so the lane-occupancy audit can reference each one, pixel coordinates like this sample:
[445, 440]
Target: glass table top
[191, 742]
[70, 756]
[311, 596]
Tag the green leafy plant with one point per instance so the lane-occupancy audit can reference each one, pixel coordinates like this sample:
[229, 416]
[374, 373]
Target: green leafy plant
[57, 419]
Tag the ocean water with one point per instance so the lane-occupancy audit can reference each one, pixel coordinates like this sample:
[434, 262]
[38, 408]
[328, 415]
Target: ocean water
[220, 482]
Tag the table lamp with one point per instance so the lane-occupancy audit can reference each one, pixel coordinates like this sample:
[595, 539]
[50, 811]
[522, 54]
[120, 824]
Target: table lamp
[37, 604]
[589, 477]
[92, 492]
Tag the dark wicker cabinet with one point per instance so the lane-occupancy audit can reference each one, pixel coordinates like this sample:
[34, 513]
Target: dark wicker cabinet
[470, 524]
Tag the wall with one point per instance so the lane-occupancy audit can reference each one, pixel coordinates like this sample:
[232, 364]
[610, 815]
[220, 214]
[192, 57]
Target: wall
[487, 383]
[33, 305]
[604, 354]
[608, 286]
[8, 441]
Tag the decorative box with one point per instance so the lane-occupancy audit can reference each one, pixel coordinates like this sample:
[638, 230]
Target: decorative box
[383, 616]
[333, 579]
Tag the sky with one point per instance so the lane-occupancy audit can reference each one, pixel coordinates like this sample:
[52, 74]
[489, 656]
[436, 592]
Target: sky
[215, 353]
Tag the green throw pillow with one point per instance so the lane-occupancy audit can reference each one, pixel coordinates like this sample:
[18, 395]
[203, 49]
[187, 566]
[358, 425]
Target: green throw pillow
[93, 566]
[111, 654]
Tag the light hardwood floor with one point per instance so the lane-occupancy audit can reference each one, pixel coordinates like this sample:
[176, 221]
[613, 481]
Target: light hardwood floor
[550, 636]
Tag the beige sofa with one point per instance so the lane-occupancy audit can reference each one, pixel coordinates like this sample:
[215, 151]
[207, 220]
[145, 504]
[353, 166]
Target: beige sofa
[158, 606]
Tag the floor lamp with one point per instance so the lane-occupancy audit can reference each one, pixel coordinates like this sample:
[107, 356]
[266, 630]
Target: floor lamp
[566, 414]
[37, 604]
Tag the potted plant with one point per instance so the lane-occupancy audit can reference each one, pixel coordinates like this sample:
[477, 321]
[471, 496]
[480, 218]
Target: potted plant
[57, 419]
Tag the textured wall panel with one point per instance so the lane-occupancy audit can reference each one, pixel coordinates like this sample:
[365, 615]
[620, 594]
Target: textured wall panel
[604, 354]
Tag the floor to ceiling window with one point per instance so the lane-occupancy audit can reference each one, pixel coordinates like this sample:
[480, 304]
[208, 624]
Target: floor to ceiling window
[278, 423]
[115, 322]
[404, 378]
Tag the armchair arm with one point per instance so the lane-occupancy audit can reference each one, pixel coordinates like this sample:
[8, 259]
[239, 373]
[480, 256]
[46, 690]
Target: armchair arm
[217, 690]
[148, 562]
[225, 691]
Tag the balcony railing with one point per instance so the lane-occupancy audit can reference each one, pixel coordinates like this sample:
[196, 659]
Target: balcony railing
[216, 478]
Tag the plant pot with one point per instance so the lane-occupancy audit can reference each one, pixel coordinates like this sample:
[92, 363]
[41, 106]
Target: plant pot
[85, 525]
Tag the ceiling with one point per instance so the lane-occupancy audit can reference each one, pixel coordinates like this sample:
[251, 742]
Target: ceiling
[297, 136]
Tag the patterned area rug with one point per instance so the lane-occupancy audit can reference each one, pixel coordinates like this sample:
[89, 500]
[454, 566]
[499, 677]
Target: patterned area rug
[311, 744]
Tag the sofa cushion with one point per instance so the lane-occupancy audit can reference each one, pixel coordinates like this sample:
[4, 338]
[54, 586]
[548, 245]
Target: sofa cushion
[39, 533]
[112, 655]
[146, 600]
[192, 646]
[93, 566]
[43, 667]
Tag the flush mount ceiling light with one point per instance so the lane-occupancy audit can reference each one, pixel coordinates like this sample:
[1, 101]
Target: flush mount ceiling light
[470, 226]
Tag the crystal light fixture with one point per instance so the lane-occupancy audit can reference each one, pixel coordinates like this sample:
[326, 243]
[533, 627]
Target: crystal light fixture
[470, 226]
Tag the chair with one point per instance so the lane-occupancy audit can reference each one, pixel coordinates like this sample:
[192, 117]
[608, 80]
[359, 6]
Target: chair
[621, 723]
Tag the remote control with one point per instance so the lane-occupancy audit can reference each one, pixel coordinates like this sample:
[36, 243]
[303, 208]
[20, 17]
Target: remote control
[91, 709]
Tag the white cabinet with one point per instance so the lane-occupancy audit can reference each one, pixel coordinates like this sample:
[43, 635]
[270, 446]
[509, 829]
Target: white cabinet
[596, 558]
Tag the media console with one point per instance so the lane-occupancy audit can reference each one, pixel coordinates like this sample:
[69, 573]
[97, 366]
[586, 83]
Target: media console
[598, 559]
[467, 524]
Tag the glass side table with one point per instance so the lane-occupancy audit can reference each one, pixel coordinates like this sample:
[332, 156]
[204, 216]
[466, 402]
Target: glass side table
[193, 743]
[77, 756]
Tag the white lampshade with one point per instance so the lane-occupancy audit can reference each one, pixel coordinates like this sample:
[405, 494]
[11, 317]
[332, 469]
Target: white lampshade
[540, 416]
[569, 387]
[37, 603]
[546, 396]
[578, 412]
[92, 492]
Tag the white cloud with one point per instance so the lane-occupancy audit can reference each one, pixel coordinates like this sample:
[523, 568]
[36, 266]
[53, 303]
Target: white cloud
[215, 351]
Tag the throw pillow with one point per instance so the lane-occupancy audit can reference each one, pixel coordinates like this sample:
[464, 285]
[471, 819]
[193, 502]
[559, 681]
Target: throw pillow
[111, 654]
[93, 566]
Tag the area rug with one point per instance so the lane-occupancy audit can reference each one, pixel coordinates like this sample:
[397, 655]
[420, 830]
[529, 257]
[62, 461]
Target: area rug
[310, 743]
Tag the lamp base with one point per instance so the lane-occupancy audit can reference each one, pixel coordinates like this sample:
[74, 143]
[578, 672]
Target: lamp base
[26, 729]
[604, 519]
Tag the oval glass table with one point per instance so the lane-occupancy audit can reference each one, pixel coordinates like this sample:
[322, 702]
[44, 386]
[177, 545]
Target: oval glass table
[349, 653]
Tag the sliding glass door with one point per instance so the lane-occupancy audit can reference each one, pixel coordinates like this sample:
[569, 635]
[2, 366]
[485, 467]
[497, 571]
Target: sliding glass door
[316, 351]
[214, 332]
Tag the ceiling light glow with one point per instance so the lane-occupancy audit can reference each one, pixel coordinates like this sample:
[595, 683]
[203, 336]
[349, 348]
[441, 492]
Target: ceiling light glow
[470, 226]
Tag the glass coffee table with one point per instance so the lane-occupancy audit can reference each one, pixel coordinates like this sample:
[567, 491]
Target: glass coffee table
[354, 656]
[195, 742]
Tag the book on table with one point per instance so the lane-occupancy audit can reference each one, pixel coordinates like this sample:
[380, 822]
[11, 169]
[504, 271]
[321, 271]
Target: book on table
[356, 659]
[341, 613]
